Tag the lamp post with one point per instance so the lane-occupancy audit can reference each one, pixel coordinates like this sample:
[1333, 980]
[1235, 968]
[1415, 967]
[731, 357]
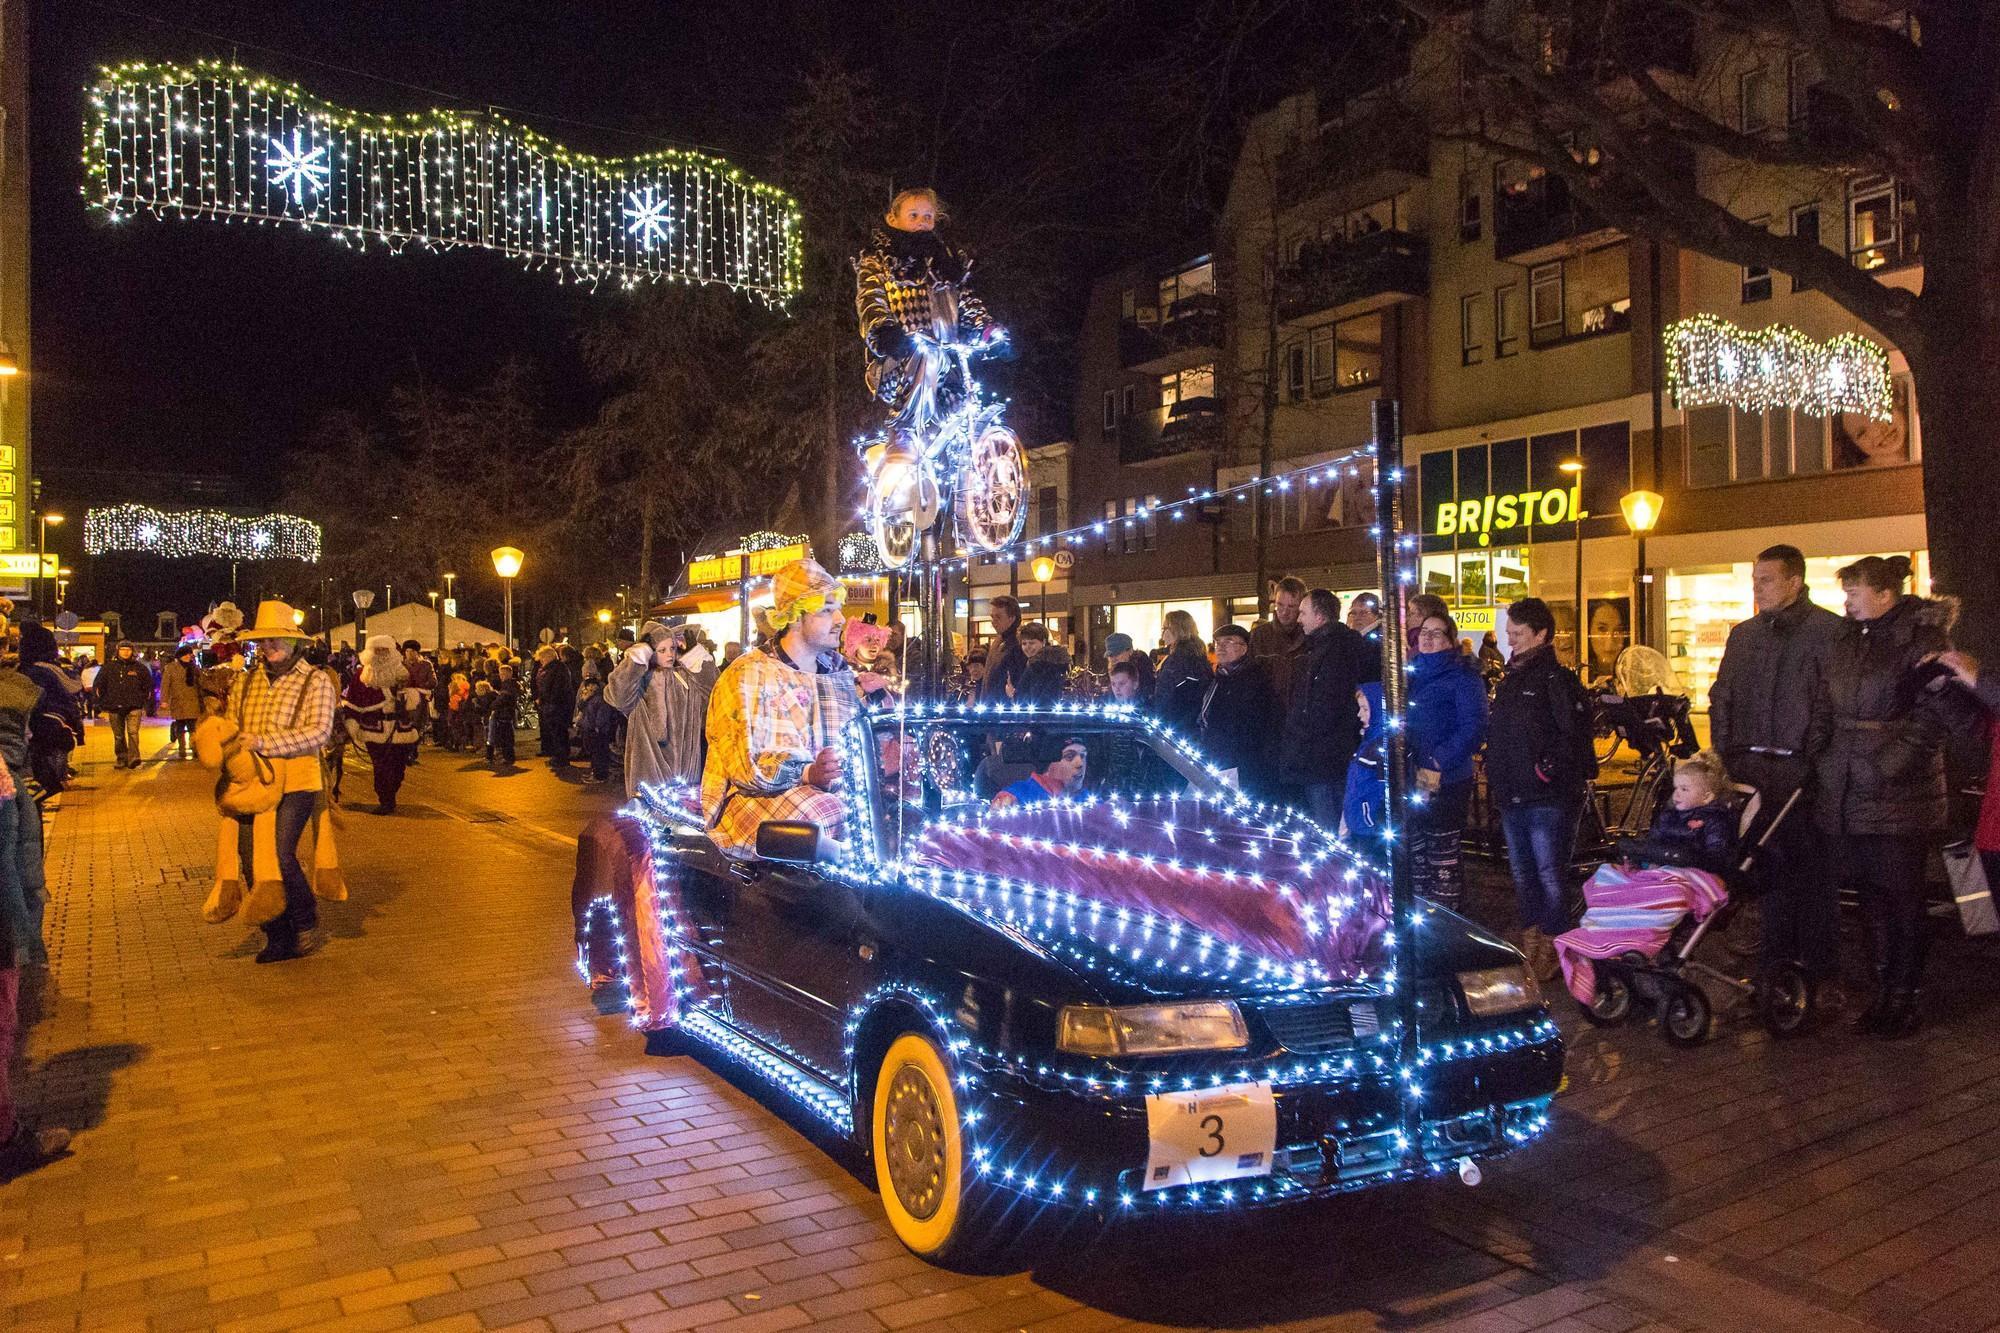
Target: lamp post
[1642, 514]
[363, 599]
[1573, 469]
[1044, 569]
[604, 621]
[62, 584]
[438, 608]
[42, 550]
[507, 563]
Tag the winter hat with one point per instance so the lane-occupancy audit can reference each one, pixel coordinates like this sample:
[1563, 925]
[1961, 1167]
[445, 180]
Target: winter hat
[382, 663]
[801, 588]
[651, 630]
[1115, 644]
[38, 643]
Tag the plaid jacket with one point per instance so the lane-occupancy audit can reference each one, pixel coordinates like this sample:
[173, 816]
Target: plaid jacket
[928, 292]
[766, 722]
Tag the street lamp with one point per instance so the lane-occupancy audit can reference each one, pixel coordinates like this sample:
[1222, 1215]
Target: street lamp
[438, 608]
[42, 550]
[1573, 469]
[1642, 515]
[507, 563]
[363, 599]
[62, 584]
[1044, 569]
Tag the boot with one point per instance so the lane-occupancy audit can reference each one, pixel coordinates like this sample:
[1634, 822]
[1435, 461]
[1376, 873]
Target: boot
[1871, 1019]
[1542, 962]
[1904, 1016]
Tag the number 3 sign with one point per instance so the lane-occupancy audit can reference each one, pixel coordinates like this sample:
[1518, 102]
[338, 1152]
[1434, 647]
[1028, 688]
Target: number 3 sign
[1220, 1133]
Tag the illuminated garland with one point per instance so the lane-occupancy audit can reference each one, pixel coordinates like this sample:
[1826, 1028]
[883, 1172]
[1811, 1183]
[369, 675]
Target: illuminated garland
[217, 140]
[774, 541]
[859, 555]
[1711, 362]
[175, 534]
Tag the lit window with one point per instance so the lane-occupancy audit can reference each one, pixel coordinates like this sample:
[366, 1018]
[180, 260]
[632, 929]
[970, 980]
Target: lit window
[1358, 351]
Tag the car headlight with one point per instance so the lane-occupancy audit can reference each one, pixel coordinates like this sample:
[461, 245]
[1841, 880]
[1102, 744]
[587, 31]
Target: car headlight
[1151, 1029]
[1499, 990]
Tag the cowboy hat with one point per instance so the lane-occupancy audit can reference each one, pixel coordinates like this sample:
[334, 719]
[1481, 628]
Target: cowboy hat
[275, 620]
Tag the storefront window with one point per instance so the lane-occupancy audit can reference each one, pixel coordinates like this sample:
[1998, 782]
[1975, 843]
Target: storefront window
[1725, 445]
[1704, 602]
[1143, 620]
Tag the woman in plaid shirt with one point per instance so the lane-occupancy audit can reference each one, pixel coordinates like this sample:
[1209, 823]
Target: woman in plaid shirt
[285, 708]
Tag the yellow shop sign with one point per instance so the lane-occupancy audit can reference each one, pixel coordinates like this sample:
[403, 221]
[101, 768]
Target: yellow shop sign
[23, 565]
[1498, 513]
[711, 570]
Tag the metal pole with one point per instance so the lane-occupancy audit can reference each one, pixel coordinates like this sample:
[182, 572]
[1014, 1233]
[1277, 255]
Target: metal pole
[1576, 515]
[1395, 699]
[439, 645]
[507, 595]
[1641, 595]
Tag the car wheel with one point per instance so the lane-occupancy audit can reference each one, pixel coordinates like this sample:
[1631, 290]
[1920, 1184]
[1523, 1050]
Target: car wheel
[1611, 1005]
[921, 1165]
[1685, 1015]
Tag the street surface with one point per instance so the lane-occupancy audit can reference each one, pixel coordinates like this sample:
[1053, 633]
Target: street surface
[429, 1123]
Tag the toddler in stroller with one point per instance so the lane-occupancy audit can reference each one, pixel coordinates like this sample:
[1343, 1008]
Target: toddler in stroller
[1646, 913]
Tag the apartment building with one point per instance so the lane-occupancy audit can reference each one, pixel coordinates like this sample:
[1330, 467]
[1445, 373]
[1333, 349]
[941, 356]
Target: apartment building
[18, 564]
[1523, 338]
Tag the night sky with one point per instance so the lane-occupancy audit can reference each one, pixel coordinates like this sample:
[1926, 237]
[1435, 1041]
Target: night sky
[191, 347]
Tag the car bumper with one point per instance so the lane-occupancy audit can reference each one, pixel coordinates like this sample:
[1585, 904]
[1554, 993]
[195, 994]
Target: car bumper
[1061, 1144]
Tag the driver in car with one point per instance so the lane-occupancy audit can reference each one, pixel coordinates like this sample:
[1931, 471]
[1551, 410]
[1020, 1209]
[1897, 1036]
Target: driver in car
[776, 715]
[1060, 765]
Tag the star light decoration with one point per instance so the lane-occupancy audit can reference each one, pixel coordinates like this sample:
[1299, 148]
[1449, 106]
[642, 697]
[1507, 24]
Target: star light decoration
[214, 140]
[1712, 362]
[211, 532]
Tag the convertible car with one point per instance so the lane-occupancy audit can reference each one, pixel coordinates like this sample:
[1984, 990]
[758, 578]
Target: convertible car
[1120, 986]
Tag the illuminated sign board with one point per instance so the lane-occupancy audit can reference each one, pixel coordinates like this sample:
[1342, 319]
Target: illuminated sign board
[714, 570]
[21, 565]
[1476, 619]
[1484, 515]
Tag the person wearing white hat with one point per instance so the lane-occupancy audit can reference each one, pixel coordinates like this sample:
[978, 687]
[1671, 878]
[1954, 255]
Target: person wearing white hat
[285, 710]
[380, 708]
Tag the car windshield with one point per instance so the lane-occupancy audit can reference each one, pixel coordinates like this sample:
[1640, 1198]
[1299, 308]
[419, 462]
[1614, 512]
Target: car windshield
[955, 764]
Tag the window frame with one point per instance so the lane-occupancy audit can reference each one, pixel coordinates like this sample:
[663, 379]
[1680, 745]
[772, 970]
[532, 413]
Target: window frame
[1748, 83]
[1471, 331]
[1504, 344]
[1755, 280]
[1292, 371]
[1539, 279]
[1797, 211]
[1471, 211]
[1320, 338]
[1798, 90]
[1382, 339]
[1110, 411]
[1866, 189]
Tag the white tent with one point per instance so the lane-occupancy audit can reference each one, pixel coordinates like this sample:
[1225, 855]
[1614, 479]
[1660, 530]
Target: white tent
[416, 620]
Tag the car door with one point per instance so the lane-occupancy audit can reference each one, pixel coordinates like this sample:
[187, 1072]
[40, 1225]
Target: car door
[703, 921]
[803, 948]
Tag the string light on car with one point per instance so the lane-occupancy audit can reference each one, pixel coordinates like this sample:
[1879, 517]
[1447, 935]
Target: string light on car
[179, 533]
[215, 140]
[1712, 362]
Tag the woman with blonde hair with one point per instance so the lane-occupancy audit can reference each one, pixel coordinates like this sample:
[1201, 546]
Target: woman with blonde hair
[1184, 673]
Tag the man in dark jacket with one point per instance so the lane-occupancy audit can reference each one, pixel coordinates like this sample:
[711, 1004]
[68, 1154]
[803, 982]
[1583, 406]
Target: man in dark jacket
[1768, 723]
[1538, 758]
[1272, 641]
[1006, 663]
[1119, 648]
[1239, 712]
[1322, 717]
[125, 689]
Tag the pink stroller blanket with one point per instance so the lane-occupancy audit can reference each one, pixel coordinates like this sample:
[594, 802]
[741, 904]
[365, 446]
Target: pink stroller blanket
[1632, 911]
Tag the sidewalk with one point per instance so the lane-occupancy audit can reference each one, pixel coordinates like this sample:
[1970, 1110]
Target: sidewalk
[429, 1124]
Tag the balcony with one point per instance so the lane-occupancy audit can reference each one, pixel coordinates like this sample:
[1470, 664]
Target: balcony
[1191, 425]
[1543, 221]
[1335, 281]
[1390, 144]
[1190, 334]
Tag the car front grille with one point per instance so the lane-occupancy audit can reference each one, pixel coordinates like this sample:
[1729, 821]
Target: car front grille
[1310, 1029]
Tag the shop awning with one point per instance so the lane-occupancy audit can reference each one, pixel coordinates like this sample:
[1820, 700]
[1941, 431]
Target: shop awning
[700, 601]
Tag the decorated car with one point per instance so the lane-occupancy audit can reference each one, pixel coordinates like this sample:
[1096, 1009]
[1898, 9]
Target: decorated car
[1049, 958]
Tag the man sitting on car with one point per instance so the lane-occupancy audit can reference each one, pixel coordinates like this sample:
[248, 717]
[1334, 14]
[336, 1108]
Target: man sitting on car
[776, 716]
[1060, 763]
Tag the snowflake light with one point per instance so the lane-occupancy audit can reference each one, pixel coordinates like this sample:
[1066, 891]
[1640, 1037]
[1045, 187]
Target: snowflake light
[214, 140]
[211, 532]
[1711, 362]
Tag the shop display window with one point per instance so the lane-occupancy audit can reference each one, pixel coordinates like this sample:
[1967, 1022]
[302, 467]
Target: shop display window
[1726, 445]
[1705, 602]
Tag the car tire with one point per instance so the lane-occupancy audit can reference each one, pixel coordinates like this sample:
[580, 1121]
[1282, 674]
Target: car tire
[922, 1167]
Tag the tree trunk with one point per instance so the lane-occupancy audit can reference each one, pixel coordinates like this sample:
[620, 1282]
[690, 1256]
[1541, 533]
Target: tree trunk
[1958, 395]
[829, 516]
[645, 559]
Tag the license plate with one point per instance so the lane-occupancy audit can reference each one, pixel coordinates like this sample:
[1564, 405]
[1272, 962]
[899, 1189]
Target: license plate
[1219, 1133]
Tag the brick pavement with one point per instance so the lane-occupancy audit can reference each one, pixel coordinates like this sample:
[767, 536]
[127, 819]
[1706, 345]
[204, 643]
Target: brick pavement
[428, 1124]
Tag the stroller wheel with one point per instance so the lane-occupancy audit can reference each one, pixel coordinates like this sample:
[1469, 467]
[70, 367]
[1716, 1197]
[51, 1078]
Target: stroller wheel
[1785, 1000]
[1612, 1004]
[1685, 1015]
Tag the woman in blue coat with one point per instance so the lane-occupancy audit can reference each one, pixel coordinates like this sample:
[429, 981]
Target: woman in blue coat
[1446, 727]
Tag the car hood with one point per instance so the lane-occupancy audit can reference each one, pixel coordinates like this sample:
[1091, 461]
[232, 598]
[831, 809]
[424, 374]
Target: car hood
[1169, 894]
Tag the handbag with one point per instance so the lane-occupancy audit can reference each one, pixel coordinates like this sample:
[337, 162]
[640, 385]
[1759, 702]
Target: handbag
[1966, 871]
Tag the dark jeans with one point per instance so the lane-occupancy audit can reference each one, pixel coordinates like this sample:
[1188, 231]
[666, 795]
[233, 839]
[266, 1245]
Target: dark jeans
[1889, 872]
[1539, 838]
[500, 738]
[181, 732]
[555, 738]
[1437, 836]
[125, 733]
[23, 889]
[1801, 898]
[10, 995]
[598, 750]
[1324, 801]
[301, 912]
[389, 762]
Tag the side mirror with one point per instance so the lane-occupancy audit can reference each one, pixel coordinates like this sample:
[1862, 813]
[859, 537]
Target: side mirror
[788, 840]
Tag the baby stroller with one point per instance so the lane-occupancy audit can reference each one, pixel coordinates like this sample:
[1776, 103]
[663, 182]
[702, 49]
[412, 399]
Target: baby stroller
[1637, 944]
